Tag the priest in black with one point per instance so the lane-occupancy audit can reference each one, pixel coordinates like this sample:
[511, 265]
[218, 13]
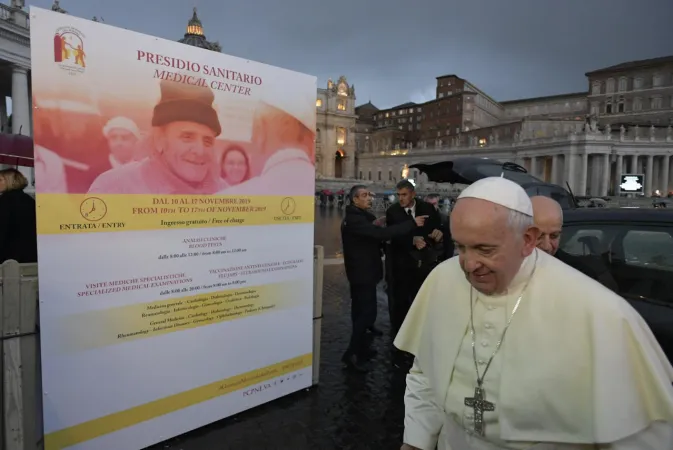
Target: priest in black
[414, 254]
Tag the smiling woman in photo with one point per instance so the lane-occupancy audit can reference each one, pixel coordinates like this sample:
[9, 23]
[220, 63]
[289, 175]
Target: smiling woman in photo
[235, 168]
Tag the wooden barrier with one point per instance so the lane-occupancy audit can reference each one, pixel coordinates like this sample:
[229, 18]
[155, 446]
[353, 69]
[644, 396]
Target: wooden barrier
[21, 393]
[20, 403]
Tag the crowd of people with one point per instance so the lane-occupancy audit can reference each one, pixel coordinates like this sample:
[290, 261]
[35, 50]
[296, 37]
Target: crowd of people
[508, 346]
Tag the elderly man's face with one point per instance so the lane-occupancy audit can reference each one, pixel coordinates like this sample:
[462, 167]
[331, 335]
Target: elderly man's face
[490, 250]
[363, 199]
[549, 220]
[188, 150]
[122, 144]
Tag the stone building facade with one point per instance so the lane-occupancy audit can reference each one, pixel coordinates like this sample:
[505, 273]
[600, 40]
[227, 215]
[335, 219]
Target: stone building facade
[589, 160]
[582, 139]
[636, 92]
[335, 130]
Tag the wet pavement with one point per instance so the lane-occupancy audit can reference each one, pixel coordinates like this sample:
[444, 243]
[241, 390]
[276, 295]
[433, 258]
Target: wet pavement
[328, 230]
[345, 411]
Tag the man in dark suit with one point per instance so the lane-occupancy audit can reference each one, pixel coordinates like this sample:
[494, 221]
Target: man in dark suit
[449, 246]
[362, 238]
[412, 253]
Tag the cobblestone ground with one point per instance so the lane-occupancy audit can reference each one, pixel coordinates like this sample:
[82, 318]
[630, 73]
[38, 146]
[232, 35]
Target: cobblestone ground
[345, 411]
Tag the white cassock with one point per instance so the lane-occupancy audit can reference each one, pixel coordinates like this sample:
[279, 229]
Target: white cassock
[578, 366]
[286, 172]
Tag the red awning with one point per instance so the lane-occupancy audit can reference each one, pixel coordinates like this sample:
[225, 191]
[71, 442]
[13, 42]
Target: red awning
[16, 150]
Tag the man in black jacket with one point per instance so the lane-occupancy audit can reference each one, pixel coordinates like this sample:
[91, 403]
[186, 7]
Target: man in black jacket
[362, 236]
[412, 251]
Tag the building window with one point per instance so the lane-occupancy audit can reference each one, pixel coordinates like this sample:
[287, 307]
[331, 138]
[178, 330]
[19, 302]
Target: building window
[318, 103]
[622, 84]
[657, 80]
[608, 107]
[671, 102]
[441, 95]
[596, 88]
[620, 105]
[390, 175]
[379, 175]
[341, 136]
[369, 175]
[360, 174]
[594, 109]
[638, 83]
[655, 102]
[610, 86]
[637, 104]
[341, 105]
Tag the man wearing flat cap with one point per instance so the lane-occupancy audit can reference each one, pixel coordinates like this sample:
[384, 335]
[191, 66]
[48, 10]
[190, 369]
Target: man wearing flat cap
[182, 159]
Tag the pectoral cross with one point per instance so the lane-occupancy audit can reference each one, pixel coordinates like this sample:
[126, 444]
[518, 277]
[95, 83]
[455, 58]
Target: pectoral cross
[479, 404]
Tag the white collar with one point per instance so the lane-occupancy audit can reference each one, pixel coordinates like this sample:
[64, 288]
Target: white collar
[114, 162]
[411, 208]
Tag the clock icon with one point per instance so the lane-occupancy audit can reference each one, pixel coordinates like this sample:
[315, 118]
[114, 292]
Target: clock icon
[93, 209]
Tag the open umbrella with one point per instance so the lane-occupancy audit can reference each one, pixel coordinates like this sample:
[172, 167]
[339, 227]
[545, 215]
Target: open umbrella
[16, 150]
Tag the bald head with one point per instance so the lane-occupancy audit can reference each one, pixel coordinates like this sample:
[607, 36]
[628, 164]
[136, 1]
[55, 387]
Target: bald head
[548, 217]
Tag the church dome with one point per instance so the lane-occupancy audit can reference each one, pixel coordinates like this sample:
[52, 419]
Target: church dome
[196, 37]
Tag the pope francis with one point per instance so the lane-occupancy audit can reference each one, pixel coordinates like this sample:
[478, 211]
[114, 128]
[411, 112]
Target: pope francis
[516, 350]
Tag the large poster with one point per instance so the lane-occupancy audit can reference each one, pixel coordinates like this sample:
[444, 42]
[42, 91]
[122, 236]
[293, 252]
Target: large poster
[175, 233]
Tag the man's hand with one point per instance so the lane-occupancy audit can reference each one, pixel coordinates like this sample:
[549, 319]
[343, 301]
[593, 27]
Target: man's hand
[420, 220]
[436, 235]
[380, 222]
[409, 447]
[419, 242]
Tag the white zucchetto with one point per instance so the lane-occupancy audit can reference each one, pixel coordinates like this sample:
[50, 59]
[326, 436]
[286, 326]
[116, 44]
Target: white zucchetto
[500, 191]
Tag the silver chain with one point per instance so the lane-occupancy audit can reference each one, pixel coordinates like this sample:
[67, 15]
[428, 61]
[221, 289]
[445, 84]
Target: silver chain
[480, 378]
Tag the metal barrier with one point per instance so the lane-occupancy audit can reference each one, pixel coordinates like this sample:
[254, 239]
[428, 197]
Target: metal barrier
[21, 389]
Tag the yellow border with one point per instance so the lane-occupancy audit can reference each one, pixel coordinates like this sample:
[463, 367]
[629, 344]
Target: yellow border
[80, 213]
[101, 426]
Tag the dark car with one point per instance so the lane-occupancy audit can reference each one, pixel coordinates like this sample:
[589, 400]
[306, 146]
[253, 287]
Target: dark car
[467, 170]
[634, 247]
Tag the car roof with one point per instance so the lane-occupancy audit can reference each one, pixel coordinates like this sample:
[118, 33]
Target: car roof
[654, 215]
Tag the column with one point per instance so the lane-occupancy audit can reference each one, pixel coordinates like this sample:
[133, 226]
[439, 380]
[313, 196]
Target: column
[569, 175]
[21, 110]
[605, 175]
[555, 169]
[665, 167]
[648, 175]
[3, 114]
[533, 166]
[20, 102]
[584, 165]
[633, 170]
[619, 168]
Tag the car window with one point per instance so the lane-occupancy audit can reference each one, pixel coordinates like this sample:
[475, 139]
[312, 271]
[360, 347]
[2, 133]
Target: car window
[581, 242]
[649, 249]
[634, 260]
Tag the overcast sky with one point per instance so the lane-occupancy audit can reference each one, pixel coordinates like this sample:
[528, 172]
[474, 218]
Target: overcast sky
[392, 50]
